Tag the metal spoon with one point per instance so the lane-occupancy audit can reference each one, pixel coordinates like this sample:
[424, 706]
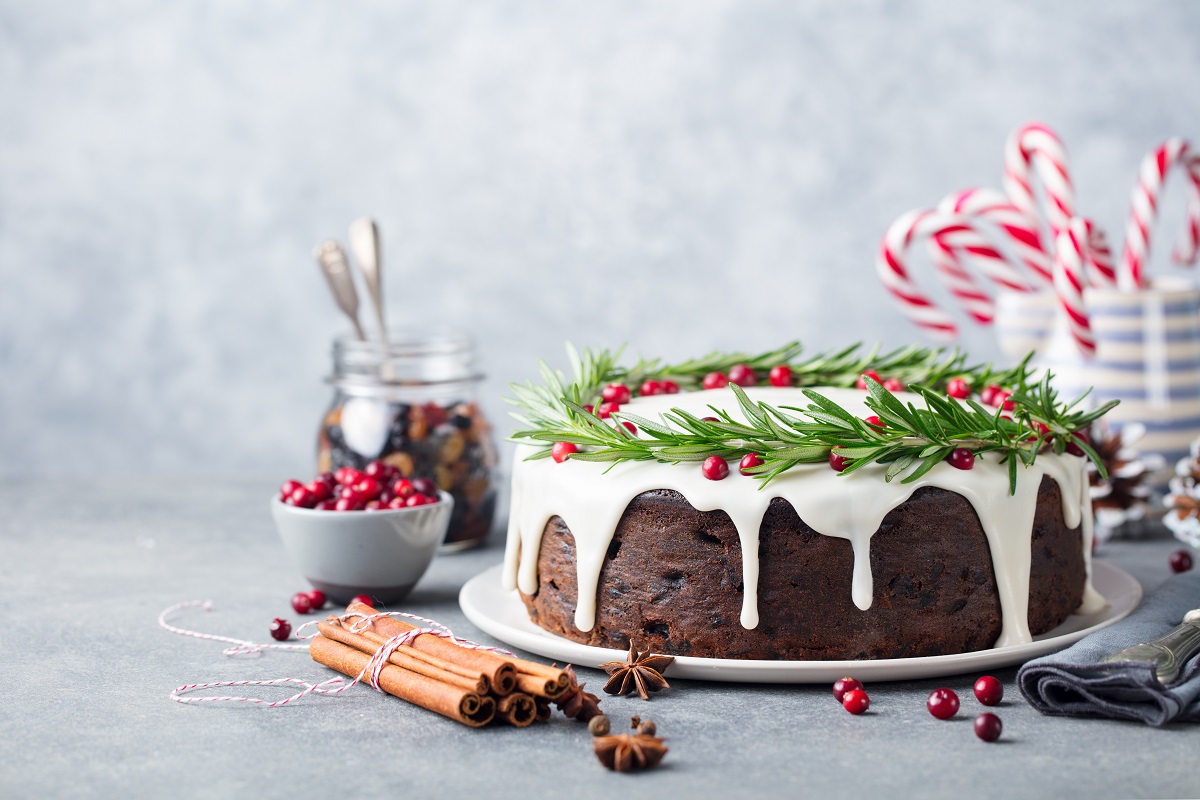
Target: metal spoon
[1168, 653]
[364, 243]
[332, 258]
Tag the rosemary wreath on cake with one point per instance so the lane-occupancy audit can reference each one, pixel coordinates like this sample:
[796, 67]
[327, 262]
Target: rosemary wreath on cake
[968, 411]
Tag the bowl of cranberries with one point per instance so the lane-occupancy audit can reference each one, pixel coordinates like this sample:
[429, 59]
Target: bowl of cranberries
[370, 531]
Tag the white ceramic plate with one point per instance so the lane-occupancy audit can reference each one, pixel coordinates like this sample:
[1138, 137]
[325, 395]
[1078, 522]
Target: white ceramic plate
[502, 614]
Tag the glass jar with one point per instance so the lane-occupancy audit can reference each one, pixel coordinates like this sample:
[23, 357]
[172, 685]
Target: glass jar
[412, 404]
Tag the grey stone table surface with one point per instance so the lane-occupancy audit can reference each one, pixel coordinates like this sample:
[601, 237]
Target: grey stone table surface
[85, 568]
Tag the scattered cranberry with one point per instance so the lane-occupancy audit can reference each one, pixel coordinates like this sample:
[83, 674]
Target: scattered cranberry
[365, 599]
[287, 488]
[839, 463]
[709, 419]
[629, 426]
[856, 701]
[715, 380]
[843, 685]
[989, 691]
[670, 387]
[958, 388]
[715, 468]
[589, 408]
[872, 374]
[942, 703]
[651, 388]
[348, 504]
[874, 420]
[281, 629]
[1000, 400]
[749, 461]
[780, 375]
[742, 375]
[961, 458]
[988, 727]
[318, 599]
[425, 486]
[616, 393]
[1181, 561]
[894, 385]
[1073, 448]
[303, 498]
[606, 410]
[302, 603]
[560, 452]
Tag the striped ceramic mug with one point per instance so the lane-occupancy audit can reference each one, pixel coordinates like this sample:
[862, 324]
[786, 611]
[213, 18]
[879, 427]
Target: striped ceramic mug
[1147, 356]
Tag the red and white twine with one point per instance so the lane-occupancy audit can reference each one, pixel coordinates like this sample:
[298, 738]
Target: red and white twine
[370, 673]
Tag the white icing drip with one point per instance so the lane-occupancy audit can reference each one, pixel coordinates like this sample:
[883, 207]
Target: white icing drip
[591, 501]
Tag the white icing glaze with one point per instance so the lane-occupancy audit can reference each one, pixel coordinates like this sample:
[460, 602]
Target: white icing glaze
[591, 502]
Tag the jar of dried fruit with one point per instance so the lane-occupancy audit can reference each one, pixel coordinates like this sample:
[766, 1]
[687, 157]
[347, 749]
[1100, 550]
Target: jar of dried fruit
[412, 403]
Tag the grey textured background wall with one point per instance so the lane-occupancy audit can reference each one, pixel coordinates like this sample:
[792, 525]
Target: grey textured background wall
[680, 175]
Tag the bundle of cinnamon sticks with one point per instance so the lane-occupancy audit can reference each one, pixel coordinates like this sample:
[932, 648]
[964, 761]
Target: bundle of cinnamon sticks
[467, 685]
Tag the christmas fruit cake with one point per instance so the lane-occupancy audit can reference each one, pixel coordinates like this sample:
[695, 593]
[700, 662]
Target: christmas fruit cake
[775, 522]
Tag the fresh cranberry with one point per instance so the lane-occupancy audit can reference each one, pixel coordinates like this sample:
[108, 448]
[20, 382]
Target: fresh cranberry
[961, 458]
[715, 468]
[365, 599]
[749, 461]
[958, 388]
[742, 375]
[397, 502]
[616, 393]
[560, 452]
[651, 388]
[379, 471]
[872, 374]
[327, 479]
[348, 504]
[369, 488]
[606, 410]
[281, 629]
[874, 420]
[894, 385]
[303, 498]
[373, 505]
[589, 408]
[780, 375]
[942, 703]
[420, 500]
[348, 475]
[988, 727]
[425, 486]
[318, 599]
[287, 488]
[709, 419]
[670, 387]
[839, 463]
[302, 603]
[1181, 561]
[843, 685]
[319, 489]
[402, 487]
[987, 395]
[989, 691]
[856, 701]
[1073, 448]
[326, 505]
[629, 426]
[1000, 400]
[715, 380]
[1039, 429]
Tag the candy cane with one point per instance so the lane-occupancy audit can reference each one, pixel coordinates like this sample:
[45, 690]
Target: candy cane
[1144, 210]
[1071, 246]
[1020, 229]
[955, 231]
[1035, 148]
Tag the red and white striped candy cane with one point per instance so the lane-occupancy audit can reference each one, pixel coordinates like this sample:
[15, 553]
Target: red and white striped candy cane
[1144, 210]
[1035, 148]
[1017, 227]
[955, 231]
[1071, 248]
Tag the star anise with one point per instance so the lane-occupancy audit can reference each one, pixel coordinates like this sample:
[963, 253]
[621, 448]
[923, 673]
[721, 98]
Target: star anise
[641, 671]
[575, 702]
[625, 752]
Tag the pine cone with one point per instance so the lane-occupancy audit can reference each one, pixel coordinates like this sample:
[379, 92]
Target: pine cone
[1124, 494]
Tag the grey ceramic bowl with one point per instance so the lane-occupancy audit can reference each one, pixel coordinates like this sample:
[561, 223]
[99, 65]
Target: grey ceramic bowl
[378, 553]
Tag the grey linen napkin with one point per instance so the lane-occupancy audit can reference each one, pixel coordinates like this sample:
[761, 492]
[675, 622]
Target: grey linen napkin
[1072, 683]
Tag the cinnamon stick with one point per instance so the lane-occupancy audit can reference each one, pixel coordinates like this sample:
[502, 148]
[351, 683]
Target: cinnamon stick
[517, 709]
[500, 672]
[450, 701]
[543, 709]
[544, 684]
[404, 657]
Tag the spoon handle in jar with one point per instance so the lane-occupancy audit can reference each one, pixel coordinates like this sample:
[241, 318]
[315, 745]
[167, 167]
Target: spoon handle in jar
[364, 243]
[336, 269]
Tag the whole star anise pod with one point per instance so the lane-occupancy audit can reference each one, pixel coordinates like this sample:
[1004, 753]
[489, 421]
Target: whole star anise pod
[641, 671]
[625, 752]
[575, 702]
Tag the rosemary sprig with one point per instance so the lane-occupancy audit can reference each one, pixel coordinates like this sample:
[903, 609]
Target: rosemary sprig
[912, 441]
